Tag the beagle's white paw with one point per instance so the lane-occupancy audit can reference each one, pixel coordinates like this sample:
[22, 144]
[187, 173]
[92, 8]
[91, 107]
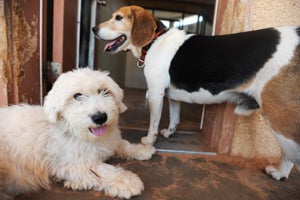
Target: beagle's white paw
[148, 140]
[167, 132]
[275, 173]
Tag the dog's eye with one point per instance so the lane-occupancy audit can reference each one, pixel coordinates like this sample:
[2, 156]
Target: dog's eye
[104, 92]
[118, 17]
[77, 96]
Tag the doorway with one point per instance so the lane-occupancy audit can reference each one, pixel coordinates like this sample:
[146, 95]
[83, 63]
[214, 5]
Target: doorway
[195, 16]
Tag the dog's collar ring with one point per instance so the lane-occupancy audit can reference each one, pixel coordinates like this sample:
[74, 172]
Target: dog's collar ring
[140, 63]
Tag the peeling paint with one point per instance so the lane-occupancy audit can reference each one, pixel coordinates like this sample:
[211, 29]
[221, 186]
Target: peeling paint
[3, 56]
[21, 64]
[25, 38]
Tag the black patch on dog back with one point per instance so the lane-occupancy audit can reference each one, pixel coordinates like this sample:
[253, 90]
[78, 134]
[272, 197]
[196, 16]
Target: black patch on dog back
[217, 63]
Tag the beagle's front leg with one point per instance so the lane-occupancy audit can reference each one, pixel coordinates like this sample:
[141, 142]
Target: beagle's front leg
[155, 105]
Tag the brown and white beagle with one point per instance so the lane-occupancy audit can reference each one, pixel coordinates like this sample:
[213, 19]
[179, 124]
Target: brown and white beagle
[256, 70]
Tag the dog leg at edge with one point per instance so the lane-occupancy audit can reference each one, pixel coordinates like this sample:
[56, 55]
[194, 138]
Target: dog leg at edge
[126, 150]
[118, 182]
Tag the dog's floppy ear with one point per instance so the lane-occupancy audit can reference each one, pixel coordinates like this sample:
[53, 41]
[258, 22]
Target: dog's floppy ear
[52, 106]
[116, 92]
[122, 107]
[143, 28]
[55, 102]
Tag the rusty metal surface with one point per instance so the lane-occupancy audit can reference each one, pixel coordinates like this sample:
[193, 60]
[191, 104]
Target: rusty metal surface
[22, 67]
[3, 56]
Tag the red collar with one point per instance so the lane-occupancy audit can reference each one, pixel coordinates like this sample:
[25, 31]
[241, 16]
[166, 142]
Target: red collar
[161, 29]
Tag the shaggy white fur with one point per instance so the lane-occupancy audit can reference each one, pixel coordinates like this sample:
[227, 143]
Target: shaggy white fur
[69, 139]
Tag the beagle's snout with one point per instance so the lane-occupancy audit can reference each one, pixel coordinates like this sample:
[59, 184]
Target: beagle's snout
[99, 118]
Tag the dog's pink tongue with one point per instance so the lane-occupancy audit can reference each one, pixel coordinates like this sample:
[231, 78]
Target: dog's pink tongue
[109, 45]
[99, 131]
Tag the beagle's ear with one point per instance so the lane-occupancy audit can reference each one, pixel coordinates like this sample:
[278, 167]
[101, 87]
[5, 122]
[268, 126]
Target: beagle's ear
[143, 27]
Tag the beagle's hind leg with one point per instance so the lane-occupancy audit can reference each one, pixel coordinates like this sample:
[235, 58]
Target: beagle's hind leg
[290, 156]
[282, 171]
[174, 107]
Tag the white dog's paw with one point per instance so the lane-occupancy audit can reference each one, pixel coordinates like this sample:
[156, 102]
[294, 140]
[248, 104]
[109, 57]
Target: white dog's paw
[275, 173]
[72, 185]
[144, 152]
[167, 132]
[149, 139]
[126, 185]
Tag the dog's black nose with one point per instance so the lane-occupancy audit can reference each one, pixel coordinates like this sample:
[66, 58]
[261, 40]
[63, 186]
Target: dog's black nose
[95, 29]
[99, 118]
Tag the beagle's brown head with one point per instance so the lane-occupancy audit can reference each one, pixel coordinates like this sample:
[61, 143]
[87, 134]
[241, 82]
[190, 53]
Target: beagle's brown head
[129, 26]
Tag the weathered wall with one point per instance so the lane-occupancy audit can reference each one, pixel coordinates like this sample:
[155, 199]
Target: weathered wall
[19, 52]
[271, 13]
[252, 138]
[3, 56]
[233, 16]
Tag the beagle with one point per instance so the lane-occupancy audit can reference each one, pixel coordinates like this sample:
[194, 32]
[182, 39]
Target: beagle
[256, 69]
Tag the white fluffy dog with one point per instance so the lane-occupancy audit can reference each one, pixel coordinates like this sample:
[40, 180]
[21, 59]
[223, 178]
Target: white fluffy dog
[69, 139]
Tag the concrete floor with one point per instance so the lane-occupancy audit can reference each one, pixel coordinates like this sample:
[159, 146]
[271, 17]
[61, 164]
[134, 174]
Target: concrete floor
[178, 176]
[184, 167]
